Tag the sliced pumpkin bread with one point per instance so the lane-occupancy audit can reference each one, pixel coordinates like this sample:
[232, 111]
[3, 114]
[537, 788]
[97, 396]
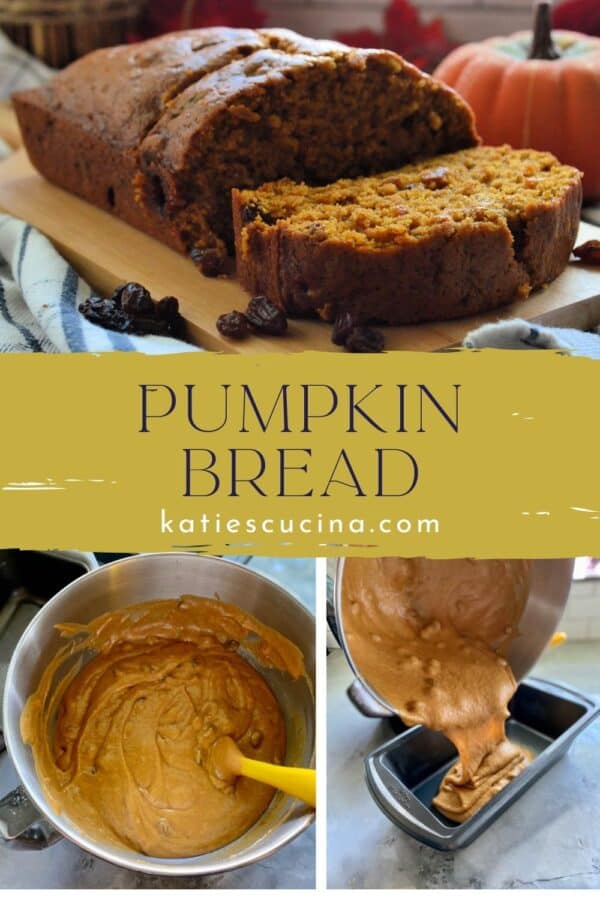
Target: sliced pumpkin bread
[452, 236]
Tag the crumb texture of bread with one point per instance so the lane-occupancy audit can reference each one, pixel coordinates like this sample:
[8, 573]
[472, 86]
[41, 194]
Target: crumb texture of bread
[451, 236]
[159, 132]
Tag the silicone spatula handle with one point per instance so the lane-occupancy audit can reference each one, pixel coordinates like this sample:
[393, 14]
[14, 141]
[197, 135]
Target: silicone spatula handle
[301, 783]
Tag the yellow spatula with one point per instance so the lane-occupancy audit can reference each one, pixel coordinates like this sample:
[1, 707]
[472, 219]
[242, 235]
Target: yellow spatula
[558, 638]
[229, 761]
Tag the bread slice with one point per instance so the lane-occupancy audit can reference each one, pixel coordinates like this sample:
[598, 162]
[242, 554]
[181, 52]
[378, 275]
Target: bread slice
[159, 132]
[451, 236]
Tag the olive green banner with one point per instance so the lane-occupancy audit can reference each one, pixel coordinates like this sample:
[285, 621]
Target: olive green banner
[491, 453]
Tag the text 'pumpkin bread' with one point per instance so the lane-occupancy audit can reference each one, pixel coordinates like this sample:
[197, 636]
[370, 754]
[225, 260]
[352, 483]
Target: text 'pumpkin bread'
[159, 132]
[451, 236]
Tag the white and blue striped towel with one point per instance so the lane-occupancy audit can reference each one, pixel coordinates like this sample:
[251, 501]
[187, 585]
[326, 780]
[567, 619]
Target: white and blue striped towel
[518, 334]
[39, 291]
[18, 69]
[39, 298]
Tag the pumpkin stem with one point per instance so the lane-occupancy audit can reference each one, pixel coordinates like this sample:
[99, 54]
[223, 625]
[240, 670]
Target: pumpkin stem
[542, 45]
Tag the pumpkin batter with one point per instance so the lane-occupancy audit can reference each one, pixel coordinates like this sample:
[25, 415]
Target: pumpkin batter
[122, 742]
[429, 637]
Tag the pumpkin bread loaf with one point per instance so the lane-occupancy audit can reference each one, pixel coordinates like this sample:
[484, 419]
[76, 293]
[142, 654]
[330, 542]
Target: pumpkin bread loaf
[455, 235]
[159, 132]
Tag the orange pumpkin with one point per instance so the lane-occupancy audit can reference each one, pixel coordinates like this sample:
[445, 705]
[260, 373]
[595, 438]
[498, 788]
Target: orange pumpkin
[537, 89]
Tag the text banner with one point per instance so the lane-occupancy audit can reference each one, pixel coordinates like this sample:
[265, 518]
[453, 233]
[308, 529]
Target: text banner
[489, 454]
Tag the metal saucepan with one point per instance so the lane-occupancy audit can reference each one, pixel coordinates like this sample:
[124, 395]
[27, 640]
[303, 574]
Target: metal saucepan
[548, 593]
[160, 576]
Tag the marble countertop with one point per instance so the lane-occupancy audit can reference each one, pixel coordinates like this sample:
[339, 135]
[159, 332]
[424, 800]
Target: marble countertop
[548, 838]
[66, 866]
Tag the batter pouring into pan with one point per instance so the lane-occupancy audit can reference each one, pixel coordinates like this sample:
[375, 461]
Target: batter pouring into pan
[430, 637]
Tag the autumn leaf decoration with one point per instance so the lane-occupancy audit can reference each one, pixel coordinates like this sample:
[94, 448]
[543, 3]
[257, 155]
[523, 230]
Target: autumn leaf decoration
[578, 15]
[404, 32]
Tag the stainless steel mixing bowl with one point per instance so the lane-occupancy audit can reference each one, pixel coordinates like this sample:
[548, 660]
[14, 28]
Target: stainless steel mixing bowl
[161, 576]
[548, 593]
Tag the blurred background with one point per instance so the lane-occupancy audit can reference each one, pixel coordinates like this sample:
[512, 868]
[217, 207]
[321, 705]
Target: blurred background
[581, 620]
[58, 31]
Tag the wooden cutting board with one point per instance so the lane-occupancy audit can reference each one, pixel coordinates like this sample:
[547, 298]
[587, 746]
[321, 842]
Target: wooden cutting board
[107, 252]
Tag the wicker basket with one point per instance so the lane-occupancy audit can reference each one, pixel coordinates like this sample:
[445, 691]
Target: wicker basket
[59, 31]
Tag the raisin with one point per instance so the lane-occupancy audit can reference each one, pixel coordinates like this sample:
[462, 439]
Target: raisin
[342, 327]
[131, 309]
[252, 211]
[134, 299]
[167, 312]
[265, 317]
[176, 326]
[435, 178]
[249, 213]
[363, 339]
[147, 325]
[143, 325]
[588, 253]
[233, 325]
[345, 200]
[116, 295]
[209, 260]
[167, 308]
[105, 312]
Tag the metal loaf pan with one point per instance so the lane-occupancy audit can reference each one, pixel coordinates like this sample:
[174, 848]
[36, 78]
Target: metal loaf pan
[404, 774]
